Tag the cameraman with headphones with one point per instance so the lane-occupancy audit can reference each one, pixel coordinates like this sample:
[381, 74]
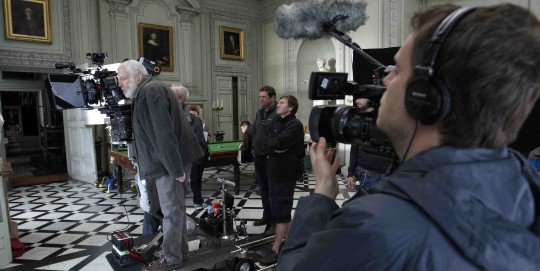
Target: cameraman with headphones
[464, 82]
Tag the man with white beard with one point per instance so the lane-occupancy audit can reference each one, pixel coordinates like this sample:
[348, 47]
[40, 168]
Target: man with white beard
[166, 147]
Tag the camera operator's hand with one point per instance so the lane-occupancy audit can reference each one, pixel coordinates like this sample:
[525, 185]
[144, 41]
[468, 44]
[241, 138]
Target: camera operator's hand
[325, 173]
[350, 183]
[181, 178]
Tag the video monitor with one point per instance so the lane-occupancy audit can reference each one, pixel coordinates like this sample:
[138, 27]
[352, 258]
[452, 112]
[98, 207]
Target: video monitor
[327, 85]
[64, 91]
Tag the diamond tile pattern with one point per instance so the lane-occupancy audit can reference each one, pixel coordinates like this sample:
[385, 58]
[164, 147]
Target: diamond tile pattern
[65, 225]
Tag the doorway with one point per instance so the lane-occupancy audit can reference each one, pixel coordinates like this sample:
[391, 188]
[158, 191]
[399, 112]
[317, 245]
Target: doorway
[21, 126]
[232, 91]
[24, 137]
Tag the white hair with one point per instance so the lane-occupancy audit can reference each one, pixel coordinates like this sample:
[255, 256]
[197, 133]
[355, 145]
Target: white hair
[133, 68]
[180, 90]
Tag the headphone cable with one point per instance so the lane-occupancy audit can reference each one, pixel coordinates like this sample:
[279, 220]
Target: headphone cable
[410, 141]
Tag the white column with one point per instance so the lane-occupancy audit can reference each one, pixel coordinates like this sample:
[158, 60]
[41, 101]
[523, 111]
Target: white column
[185, 41]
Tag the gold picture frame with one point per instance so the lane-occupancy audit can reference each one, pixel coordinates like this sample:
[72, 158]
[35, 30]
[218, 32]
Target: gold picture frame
[156, 44]
[231, 43]
[27, 20]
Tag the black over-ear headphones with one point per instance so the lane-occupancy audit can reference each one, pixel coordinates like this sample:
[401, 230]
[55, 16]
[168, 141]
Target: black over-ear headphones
[427, 98]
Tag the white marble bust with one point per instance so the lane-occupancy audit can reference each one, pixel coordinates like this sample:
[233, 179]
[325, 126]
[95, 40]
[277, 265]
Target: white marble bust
[321, 64]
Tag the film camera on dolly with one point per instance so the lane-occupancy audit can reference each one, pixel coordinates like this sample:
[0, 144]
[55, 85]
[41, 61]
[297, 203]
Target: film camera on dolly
[222, 241]
[94, 88]
[97, 88]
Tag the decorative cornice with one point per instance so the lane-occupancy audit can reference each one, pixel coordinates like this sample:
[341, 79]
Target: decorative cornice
[118, 6]
[229, 18]
[191, 4]
[187, 13]
[239, 8]
[39, 60]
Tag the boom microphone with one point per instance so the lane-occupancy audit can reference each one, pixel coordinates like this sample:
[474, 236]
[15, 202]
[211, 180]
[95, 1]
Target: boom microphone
[313, 19]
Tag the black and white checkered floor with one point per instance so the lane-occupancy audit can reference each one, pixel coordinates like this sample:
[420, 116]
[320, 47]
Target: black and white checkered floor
[65, 225]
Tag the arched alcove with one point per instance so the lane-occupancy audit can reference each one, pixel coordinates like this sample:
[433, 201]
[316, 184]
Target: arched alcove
[308, 53]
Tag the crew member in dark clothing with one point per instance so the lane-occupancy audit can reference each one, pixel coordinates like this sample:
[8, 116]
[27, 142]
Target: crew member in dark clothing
[265, 115]
[197, 168]
[247, 145]
[461, 199]
[366, 170]
[286, 143]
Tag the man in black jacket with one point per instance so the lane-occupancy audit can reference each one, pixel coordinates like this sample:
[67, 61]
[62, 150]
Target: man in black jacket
[461, 200]
[264, 117]
[286, 142]
[166, 147]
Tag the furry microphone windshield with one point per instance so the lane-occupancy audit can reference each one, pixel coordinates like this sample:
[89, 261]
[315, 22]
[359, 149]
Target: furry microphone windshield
[313, 19]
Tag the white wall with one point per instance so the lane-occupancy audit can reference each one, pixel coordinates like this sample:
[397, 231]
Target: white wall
[306, 62]
[273, 58]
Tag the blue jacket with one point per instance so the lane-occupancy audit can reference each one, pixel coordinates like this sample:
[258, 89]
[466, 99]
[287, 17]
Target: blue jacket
[444, 209]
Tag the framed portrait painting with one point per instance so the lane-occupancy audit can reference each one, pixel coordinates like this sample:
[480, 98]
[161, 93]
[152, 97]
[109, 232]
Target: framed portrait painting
[231, 43]
[27, 20]
[156, 44]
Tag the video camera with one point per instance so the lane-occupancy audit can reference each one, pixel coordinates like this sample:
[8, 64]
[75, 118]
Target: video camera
[350, 124]
[94, 88]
